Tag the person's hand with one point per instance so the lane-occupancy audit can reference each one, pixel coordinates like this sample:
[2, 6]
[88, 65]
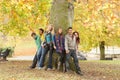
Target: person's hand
[42, 46]
[67, 51]
[77, 51]
[54, 47]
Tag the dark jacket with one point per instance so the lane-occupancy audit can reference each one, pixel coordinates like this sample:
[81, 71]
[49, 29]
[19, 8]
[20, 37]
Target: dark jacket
[59, 42]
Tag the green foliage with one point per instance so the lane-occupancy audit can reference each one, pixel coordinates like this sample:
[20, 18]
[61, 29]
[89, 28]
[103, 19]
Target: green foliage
[97, 21]
[17, 16]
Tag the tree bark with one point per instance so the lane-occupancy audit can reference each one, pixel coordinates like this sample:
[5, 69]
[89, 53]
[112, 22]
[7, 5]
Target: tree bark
[61, 14]
[102, 50]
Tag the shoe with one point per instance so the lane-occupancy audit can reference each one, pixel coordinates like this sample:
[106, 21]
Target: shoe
[49, 69]
[31, 67]
[40, 68]
[80, 73]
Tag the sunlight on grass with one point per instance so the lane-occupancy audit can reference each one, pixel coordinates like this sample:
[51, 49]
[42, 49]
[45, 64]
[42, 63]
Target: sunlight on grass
[104, 61]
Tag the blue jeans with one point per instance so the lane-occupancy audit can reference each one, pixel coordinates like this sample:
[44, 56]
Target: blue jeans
[34, 61]
[41, 57]
[72, 53]
[47, 49]
[36, 58]
[40, 51]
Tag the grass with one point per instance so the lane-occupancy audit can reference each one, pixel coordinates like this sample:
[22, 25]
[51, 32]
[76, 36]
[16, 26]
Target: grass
[115, 62]
[93, 70]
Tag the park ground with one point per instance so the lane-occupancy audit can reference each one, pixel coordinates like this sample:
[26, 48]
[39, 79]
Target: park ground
[19, 69]
[93, 70]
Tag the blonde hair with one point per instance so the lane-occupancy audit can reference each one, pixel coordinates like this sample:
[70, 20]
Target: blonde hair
[52, 29]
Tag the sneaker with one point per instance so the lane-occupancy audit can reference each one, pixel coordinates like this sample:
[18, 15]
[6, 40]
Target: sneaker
[80, 73]
[49, 69]
[40, 68]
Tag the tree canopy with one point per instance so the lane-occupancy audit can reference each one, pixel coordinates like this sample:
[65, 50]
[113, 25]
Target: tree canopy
[97, 20]
[17, 16]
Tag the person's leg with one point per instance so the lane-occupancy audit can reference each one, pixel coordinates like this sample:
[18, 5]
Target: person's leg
[43, 55]
[63, 56]
[73, 54]
[59, 60]
[67, 61]
[50, 57]
[39, 54]
[34, 62]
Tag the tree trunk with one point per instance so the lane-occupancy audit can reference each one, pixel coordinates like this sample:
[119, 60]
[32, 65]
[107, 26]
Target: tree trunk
[102, 50]
[61, 14]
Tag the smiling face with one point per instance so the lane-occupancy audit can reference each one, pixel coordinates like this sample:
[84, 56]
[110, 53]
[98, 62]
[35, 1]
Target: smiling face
[49, 28]
[76, 35]
[70, 31]
[60, 31]
[40, 32]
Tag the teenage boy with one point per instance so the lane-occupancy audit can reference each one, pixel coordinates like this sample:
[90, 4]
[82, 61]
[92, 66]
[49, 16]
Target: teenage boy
[38, 41]
[70, 47]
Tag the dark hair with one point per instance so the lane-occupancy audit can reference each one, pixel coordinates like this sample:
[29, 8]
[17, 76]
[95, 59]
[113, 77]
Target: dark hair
[33, 34]
[78, 38]
[69, 28]
[41, 30]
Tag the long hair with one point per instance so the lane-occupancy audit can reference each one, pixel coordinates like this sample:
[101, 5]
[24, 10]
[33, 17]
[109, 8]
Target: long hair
[52, 29]
[77, 38]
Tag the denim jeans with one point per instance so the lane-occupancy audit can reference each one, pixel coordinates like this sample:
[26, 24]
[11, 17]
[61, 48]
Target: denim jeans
[39, 53]
[41, 57]
[47, 49]
[34, 61]
[72, 54]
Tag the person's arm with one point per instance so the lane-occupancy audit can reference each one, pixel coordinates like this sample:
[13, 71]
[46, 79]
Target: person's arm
[31, 29]
[76, 45]
[38, 41]
[53, 40]
[63, 42]
[66, 45]
[44, 40]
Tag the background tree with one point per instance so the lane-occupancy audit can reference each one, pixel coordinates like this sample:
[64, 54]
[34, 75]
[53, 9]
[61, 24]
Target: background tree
[98, 24]
[97, 21]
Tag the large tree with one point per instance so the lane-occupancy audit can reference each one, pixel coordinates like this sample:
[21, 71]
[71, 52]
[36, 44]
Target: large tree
[62, 13]
[98, 24]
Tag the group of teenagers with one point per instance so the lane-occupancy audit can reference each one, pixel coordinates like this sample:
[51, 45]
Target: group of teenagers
[49, 41]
